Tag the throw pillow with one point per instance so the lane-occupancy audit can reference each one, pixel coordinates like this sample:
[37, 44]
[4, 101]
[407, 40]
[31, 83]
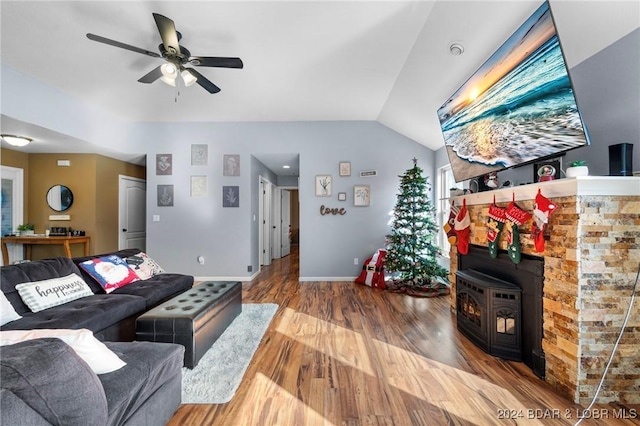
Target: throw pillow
[95, 353]
[41, 295]
[144, 266]
[7, 312]
[110, 271]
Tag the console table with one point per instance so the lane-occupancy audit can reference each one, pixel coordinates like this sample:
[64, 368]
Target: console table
[29, 241]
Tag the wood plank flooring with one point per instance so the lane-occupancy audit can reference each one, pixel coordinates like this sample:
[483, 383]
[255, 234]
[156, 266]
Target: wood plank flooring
[339, 353]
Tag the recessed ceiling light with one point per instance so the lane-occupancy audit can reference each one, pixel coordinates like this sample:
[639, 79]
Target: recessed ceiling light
[16, 140]
[286, 167]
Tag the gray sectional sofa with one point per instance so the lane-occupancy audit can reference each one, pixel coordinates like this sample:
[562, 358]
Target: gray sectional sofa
[111, 317]
[44, 382]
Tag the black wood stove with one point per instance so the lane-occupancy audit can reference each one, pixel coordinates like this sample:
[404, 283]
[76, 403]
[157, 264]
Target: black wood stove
[499, 305]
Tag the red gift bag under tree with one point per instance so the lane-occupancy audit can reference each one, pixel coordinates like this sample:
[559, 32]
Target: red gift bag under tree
[372, 273]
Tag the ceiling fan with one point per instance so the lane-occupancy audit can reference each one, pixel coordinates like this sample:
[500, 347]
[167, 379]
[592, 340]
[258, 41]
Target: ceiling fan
[176, 57]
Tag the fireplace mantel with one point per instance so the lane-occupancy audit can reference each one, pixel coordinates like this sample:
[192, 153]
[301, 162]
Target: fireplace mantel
[591, 258]
[581, 185]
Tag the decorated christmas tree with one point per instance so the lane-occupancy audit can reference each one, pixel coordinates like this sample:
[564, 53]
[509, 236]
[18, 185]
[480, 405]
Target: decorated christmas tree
[411, 257]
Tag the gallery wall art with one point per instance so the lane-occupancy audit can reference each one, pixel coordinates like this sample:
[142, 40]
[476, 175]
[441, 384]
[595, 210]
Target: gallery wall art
[165, 195]
[164, 164]
[199, 155]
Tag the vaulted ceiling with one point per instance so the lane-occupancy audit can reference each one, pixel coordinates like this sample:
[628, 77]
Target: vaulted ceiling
[303, 60]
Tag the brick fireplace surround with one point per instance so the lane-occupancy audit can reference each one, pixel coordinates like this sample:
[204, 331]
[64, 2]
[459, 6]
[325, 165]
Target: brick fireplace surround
[591, 258]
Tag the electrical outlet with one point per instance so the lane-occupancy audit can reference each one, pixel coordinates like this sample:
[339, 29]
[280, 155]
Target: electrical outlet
[201, 260]
[156, 218]
[355, 260]
[250, 268]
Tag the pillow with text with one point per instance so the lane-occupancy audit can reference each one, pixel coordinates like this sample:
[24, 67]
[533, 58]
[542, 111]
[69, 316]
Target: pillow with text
[41, 295]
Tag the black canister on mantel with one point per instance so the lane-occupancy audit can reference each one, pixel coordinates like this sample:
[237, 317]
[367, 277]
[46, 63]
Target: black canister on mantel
[621, 159]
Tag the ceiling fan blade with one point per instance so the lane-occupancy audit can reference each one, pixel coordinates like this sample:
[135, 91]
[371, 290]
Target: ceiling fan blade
[121, 45]
[203, 81]
[168, 33]
[152, 76]
[208, 61]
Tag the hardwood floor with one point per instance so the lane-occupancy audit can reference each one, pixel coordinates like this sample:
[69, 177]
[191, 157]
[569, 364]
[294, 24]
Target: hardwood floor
[338, 353]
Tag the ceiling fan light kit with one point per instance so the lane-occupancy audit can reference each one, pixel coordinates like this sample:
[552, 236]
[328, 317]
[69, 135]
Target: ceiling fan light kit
[169, 74]
[176, 58]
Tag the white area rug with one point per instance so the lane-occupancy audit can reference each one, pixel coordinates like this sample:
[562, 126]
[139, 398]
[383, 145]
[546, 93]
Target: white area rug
[218, 374]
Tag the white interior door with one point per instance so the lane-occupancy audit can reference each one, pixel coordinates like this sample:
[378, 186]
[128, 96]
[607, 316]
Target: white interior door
[285, 223]
[276, 234]
[12, 207]
[132, 213]
[265, 222]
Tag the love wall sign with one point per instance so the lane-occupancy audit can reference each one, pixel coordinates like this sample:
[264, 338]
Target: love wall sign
[333, 211]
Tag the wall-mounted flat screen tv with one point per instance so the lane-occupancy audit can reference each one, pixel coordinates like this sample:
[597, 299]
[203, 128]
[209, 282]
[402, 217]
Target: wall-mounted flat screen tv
[517, 108]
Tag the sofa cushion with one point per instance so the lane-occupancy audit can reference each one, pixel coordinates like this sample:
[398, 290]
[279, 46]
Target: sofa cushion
[92, 351]
[158, 288]
[95, 313]
[7, 312]
[110, 271]
[44, 269]
[14, 411]
[143, 265]
[41, 295]
[149, 366]
[54, 382]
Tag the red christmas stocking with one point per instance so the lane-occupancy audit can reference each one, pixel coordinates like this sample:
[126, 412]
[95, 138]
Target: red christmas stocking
[462, 226]
[516, 217]
[497, 218]
[541, 212]
[448, 226]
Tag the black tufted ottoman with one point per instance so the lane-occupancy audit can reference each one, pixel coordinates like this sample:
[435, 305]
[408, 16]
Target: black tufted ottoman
[194, 319]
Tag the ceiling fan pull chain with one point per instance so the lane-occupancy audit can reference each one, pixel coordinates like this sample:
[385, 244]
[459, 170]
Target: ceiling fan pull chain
[178, 78]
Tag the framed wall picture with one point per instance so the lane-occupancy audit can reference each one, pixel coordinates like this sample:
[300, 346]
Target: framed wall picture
[231, 165]
[361, 195]
[199, 154]
[230, 196]
[164, 164]
[368, 173]
[323, 185]
[165, 195]
[546, 170]
[342, 196]
[345, 168]
[198, 186]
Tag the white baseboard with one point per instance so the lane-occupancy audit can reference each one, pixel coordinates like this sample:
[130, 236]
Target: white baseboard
[250, 278]
[244, 279]
[301, 279]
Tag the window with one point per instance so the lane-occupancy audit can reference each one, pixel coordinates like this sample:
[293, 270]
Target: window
[445, 181]
[11, 201]
[7, 207]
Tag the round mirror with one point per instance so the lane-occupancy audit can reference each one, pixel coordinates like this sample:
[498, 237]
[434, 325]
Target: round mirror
[59, 198]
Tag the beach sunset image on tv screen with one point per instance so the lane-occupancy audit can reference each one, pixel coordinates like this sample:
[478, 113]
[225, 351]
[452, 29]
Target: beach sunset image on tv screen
[517, 108]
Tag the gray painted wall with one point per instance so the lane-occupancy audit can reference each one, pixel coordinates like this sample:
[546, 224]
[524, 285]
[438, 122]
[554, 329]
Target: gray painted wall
[228, 237]
[607, 87]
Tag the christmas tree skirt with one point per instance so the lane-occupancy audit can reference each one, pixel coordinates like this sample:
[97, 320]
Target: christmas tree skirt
[431, 289]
